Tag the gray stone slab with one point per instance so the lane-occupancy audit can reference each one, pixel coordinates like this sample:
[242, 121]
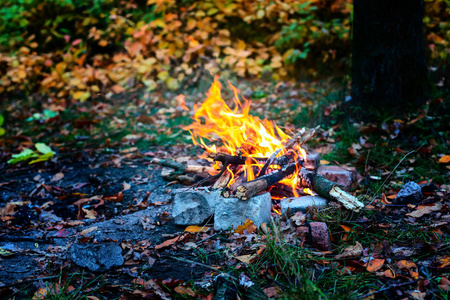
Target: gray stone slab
[193, 206]
[96, 257]
[296, 204]
[232, 212]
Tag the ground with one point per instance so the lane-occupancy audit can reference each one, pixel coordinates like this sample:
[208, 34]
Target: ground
[99, 192]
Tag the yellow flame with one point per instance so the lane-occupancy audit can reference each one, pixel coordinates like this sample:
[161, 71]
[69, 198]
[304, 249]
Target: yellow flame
[239, 132]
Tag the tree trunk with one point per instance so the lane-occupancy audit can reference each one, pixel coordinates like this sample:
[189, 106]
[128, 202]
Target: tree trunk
[388, 63]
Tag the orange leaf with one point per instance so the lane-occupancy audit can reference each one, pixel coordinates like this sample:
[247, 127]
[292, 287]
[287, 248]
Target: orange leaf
[375, 264]
[194, 229]
[183, 290]
[389, 273]
[444, 262]
[346, 228]
[247, 226]
[167, 243]
[404, 264]
[444, 159]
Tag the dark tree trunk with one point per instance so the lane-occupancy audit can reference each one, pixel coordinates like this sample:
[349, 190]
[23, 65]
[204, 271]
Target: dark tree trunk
[388, 64]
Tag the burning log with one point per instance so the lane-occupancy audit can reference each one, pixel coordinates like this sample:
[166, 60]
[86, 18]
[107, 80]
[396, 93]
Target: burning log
[330, 190]
[299, 138]
[251, 188]
[227, 159]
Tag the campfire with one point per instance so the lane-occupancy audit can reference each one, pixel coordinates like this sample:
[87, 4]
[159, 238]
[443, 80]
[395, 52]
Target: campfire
[251, 156]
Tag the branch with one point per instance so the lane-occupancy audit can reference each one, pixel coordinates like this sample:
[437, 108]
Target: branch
[329, 190]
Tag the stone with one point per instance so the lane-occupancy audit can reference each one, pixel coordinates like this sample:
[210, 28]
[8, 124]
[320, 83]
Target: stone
[96, 257]
[347, 177]
[410, 193]
[232, 212]
[193, 206]
[296, 204]
[320, 237]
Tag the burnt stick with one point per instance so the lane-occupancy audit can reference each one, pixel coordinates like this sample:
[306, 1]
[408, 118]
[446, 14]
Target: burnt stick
[249, 189]
[240, 160]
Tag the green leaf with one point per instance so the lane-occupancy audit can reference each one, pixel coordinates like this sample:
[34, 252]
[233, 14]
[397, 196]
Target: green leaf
[43, 157]
[43, 148]
[1, 120]
[24, 155]
[2, 131]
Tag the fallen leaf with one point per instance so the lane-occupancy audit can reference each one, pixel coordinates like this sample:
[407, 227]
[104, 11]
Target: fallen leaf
[87, 230]
[444, 284]
[246, 259]
[195, 229]
[272, 291]
[389, 273]
[167, 243]
[375, 264]
[351, 251]
[126, 186]
[424, 210]
[57, 177]
[444, 159]
[443, 261]
[4, 252]
[183, 290]
[248, 226]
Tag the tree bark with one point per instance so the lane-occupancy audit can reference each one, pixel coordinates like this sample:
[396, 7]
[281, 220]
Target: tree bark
[388, 64]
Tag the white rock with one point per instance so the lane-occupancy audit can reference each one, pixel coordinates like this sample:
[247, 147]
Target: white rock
[296, 204]
[193, 206]
[232, 212]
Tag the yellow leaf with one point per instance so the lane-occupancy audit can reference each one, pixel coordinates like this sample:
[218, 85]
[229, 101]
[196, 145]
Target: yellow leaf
[164, 75]
[82, 96]
[4, 252]
[260, 14]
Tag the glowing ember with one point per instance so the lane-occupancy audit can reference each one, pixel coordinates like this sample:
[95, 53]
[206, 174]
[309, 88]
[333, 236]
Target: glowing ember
[240, 134]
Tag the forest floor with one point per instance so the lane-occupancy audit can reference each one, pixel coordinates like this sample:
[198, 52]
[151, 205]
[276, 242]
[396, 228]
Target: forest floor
[95, 220]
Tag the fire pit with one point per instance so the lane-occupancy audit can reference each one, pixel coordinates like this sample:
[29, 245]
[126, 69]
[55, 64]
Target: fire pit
[254, 161]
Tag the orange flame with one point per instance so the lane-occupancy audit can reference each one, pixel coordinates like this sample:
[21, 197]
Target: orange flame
[239, 132]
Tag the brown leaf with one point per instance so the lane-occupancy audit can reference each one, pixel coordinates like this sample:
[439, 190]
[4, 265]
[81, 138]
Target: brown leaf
[351, 251]
[272, 291]
[57, 177]
[375, 264]
[425, 210]
[87, 230]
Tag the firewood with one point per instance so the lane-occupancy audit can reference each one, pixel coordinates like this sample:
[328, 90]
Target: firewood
[223, 180]
[249, 189]
[300, 138]
[182, 167]
[329, 190]
[227, 159]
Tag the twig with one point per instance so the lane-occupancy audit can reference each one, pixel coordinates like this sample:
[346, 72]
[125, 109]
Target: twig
[28, 281]
[389, 176]
[388, 287]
